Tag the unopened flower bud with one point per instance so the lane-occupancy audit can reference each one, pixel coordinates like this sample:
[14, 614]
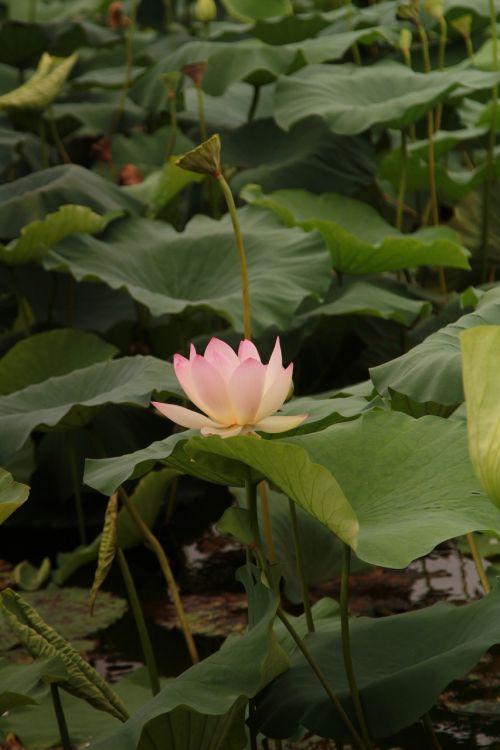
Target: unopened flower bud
[195, 71]
[205, 10]
[463, 25]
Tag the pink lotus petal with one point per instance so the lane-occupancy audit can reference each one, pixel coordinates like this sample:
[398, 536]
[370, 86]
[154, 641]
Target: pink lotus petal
[211, 392]
[222, 357]
[248, 350]
[224, 432]
[182, 367]
[245, 390]
[184, 417]
[275, 365]
[192, 352]
[280, 423]
[275, 396]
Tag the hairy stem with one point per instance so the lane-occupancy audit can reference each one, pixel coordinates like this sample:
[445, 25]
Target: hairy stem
[346, 643]
[266, 521]
[60, 718]
[167, 572]
[402, 182]
[228, 195]
[173, 126]
[300, 567]
[478, 562]
[140, 622]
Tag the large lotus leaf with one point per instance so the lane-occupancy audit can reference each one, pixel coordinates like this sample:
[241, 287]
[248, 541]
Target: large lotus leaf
[12, 494]
[333, 46]
[171, 272]
[66, 611]
[308, 156]
[37, 236]
[409, 481]
[480, 356]
[49, 354]
[227, 63]
[147, 499]
[359, 239]
[378, 298]
[146, 150]
[467, 221]
[91, 113]
[248, 10]
[17, 681]
[402, 663]
[429, 376]
[106, 474]
[73, 399]
[42, 88]
[34, 196]
[352, 99]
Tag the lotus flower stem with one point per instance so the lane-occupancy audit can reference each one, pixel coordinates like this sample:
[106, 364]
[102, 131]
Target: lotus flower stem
[478, 562]
[167, 572]
[402, 181]
[346, 643]
[60, 718]
[354, 48]
[228, 195]
[77, 491]
[129, 62]
[300, 567]
[433, 191]
[140, 622]
[201, 112]
[490, 157]
[426, 721]
[322, 679]
[443, 38]
[254, 103]
[266, 522]
[173, 126]
[65, 158]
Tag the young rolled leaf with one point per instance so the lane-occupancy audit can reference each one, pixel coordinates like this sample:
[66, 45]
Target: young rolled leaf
[42, 641]
[12, 494]
[480, 366]
[107, 548]
[42, 88]
[30, 578]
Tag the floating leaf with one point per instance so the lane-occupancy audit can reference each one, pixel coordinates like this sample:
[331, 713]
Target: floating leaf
[30, 578]
[42, 641]
[397, 683]
[171, 272]
[42, 88]
[12, 494]
[359, 239]
[50, 354]
[107, 549]
[38, 236]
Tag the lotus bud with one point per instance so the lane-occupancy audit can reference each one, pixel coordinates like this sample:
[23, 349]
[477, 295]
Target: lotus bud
[204, 159]
[434, 8]
[408, 12]
[196, 71]
[405, 40]
[463, 25]
[480, 367]
[205, 10]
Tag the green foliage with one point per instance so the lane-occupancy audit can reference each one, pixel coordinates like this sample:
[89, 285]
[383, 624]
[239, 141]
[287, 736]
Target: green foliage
[30, 578]
[17, 683]
[12, 495]
[40, 91]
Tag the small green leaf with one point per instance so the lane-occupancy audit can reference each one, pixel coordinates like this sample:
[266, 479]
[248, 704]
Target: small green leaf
[38, 236]
[30, 578]
[12, 494]
[17, 681]
[42, 641]
[235, 522]
[42, 88]
[107, 548]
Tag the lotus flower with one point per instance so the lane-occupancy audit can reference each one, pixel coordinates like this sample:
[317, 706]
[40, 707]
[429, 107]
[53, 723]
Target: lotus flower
[237, 392]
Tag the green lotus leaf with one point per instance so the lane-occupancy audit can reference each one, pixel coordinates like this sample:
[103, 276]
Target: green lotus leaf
[253, 10]
[172, 272]
[428, 378]
[359, 239]
[402, 663]
[19, 681]
[74, 398]
[352, 99]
